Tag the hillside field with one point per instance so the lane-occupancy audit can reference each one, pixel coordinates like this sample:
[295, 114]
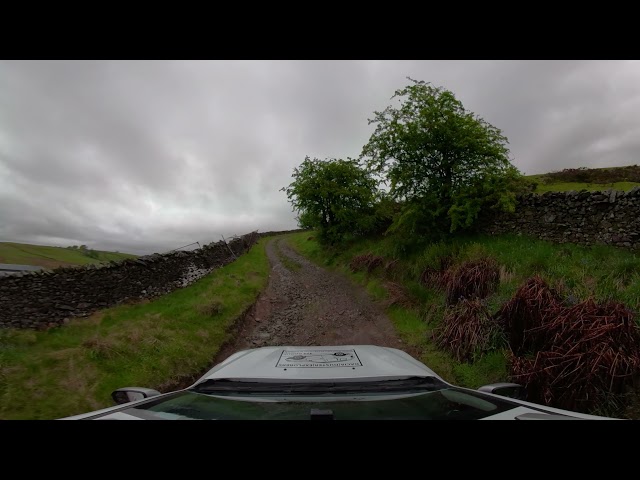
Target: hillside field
[52, 257]
[591, 179]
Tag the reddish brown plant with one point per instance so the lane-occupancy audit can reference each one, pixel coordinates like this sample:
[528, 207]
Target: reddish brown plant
[398, 295]
[574, 357]
[368, 262]
[532, 303]
[467, 330]
[472, 279]
[435, 277]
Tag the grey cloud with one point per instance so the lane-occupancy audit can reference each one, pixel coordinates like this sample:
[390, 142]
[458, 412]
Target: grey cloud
[146, 156]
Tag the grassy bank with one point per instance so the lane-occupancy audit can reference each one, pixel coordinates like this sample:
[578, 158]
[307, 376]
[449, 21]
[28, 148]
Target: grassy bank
[604, 273]
[51, 257]
[592, 187]
[591, 179]
[74, 368]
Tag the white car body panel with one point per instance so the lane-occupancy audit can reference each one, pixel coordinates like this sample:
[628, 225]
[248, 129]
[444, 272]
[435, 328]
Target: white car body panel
[329, 363]
[370, 362]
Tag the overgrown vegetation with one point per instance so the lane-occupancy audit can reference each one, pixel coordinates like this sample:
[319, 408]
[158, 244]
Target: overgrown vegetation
[579, 357]
[469, 331]
[467, 342]
[51, 257]
[527, 310]
[334, 196]
[367, 262]
[583, 357]
[442, 162]
[439, 163]
[460, 297]
[74, 368]
[470, 280]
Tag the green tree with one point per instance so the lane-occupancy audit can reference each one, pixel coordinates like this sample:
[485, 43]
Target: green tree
[443, 163]
[334, 196]
[92, 254]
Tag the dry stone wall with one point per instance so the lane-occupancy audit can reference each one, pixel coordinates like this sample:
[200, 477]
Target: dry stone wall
[49, 298]
[587, 218]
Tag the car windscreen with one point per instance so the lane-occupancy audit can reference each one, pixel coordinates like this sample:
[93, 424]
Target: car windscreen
[442, 404]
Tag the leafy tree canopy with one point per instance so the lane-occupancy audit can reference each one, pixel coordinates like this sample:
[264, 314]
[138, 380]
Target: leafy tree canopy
[335, 196]
[443, 163]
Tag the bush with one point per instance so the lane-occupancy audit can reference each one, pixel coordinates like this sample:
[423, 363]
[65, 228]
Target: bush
[471, 279]
[468, 331]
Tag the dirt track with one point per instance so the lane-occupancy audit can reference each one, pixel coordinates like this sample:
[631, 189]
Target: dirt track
[305, 304]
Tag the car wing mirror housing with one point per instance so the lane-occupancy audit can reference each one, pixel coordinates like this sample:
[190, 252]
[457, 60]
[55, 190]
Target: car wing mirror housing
[511, 390]
[132, 394]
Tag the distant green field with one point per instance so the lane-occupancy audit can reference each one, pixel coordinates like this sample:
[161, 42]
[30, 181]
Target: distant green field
[591, 179]
[592, 187]
[51, 257]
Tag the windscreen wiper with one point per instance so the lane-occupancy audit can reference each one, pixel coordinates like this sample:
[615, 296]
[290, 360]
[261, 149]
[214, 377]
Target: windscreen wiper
[405, 385]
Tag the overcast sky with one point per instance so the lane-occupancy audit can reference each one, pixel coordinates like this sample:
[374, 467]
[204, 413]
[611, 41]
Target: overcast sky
[147, 156]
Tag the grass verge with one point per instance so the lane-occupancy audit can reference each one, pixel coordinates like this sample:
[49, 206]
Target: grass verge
[288, 263]
[73, 369]
[578, 272]
[415, 324]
